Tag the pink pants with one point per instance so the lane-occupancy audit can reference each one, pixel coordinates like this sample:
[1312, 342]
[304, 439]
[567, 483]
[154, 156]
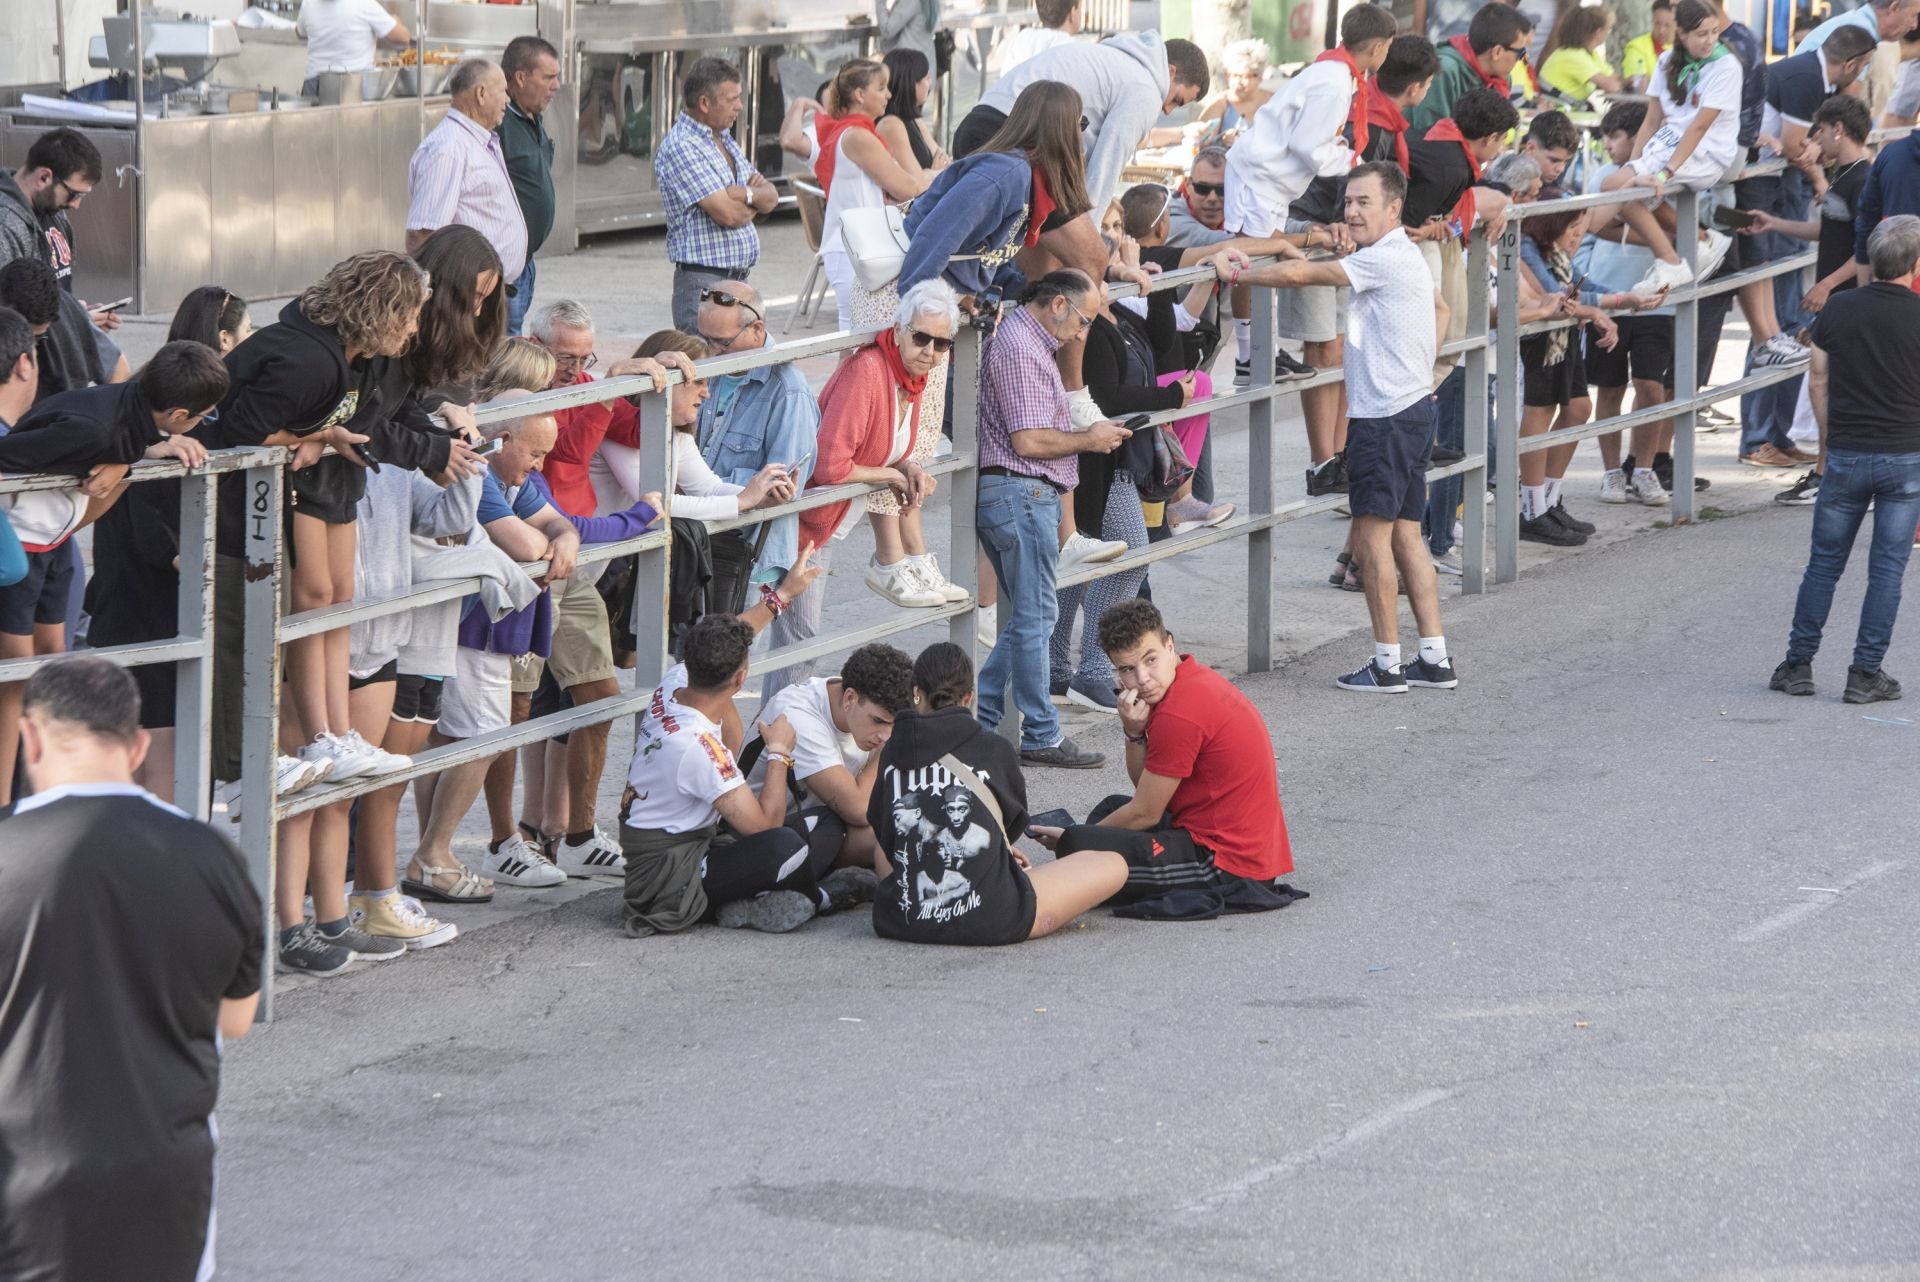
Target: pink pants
[1191, 431]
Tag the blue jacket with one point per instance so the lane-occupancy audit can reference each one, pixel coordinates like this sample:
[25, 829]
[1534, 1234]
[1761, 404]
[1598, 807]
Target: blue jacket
[1893, 187]
[767, 415]
[978, 205]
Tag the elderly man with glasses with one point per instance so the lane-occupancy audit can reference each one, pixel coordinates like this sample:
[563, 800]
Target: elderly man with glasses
[749, 420]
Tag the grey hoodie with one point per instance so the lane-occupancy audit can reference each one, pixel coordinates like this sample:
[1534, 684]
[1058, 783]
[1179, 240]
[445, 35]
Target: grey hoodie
[400, 516]
[71, 358]
[1123, 83]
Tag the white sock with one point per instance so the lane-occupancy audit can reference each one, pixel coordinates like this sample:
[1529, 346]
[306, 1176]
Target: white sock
[1553, 491]
[1533, 501]
[889, 566]
[1243, 339]
[379, 894]
[1386, 655]
[1433, 649]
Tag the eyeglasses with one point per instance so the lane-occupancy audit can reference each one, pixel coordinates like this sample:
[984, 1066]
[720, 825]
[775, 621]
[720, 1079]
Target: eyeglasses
[209, 416]
[924, 339]
[74, 194]
[1086, 321]
[1085, 124]
[563, 361]
[719, 299]
[1206, 189]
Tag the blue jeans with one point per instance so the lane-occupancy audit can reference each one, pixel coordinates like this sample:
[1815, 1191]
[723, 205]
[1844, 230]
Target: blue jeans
[1450, 430]
[520, 302]
[1891, 482]
[1019, 523]
[1766, 416]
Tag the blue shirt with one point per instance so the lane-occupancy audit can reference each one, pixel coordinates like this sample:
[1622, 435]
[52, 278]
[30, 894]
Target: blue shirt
[688, 168]
[1893, 187]
[1865, 17]
[497, 504]
[767, 415]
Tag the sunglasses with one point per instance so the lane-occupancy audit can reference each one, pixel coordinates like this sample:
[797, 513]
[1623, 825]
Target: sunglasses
[1085, 124]
[921, 339]
[719, 299]
[1207, 189]
[1518, 51]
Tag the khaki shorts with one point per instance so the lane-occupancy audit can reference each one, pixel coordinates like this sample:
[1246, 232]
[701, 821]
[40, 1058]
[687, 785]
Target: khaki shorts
[1317, 314]
[582, 641]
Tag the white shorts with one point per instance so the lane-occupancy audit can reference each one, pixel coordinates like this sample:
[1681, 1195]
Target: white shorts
[478, 697]
[1246, 214]
[1699, 172]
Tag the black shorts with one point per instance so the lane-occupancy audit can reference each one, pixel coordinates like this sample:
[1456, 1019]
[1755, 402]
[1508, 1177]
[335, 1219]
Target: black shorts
[329, 491]
[548, 698]
[1551, 386]
[159, 685]
[41, 597]
[1644, 353]
[388, 671]
[1387, 461]
[416, 698]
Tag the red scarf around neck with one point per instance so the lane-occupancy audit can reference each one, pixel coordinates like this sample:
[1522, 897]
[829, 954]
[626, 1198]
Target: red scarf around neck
[1041, 209]
[829, 129]
[1360, 111]
[888, 341]
[1496, 83]
[1382, 112]
[1445, 130]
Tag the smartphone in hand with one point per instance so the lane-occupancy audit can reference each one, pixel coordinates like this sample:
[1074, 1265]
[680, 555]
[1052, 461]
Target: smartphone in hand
[1051, 819]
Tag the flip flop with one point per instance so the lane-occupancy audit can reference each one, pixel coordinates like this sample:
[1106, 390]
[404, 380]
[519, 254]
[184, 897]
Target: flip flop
[466, 887]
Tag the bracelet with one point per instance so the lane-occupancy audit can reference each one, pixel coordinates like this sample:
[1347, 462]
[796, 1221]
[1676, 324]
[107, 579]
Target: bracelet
[1665, 175]
[1135, 738]
[1235, 278]
[773, 601]
[785, 759]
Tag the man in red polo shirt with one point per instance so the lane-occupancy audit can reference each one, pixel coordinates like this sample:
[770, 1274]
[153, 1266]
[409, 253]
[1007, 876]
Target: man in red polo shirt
[1203, 832]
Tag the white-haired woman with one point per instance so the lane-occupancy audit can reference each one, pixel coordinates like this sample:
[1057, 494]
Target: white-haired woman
[879, 422]
[1246, 63]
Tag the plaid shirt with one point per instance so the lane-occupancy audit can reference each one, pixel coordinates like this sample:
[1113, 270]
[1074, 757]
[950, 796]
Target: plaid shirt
[1020, 389]
[687, 169]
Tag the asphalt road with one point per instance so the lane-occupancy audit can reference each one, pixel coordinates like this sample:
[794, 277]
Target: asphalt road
[1606, 974]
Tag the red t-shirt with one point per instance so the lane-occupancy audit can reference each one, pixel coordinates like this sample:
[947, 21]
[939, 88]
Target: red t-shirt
[581, 431]
[1210, 737]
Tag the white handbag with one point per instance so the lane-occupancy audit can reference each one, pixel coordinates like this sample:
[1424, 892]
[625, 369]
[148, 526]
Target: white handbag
[876, 244]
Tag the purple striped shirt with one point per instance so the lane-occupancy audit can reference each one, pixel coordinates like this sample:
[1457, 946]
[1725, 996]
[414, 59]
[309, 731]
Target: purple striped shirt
[1020, 389]
[458, 175]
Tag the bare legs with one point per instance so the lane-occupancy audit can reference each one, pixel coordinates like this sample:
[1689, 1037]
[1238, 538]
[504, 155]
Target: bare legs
[1380, 545]
[1073, 884]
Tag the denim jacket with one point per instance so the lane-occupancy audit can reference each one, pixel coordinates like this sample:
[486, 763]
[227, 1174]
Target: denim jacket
[767, 415]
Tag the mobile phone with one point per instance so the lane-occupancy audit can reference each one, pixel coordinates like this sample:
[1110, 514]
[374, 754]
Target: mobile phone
[1051, 819]
[1137, 422]
[1731, 219]
[113, 306]
[793, 469]
[489, 446]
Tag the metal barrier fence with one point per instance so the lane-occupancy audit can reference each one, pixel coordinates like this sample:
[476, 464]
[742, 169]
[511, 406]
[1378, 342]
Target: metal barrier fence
[268, 627]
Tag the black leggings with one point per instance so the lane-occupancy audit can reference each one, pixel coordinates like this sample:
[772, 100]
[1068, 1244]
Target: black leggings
[793, 857]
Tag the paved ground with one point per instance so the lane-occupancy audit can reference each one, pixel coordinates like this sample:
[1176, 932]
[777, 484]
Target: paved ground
[1602, 977]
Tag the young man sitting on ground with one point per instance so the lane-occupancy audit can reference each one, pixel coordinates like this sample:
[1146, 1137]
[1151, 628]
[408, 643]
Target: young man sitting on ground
[1203, 832]
[764, 870]
[839, 726]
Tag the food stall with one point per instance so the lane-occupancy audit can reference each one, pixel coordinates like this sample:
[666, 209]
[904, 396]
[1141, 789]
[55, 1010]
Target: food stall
[219, 169]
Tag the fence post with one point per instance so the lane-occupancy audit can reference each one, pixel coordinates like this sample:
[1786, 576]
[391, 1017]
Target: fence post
[653, 569]
[1260, 490]
[260, 701]
[1473, 503]
[963, 377]
[1686, 359]
[193, 696]
[1506, 373]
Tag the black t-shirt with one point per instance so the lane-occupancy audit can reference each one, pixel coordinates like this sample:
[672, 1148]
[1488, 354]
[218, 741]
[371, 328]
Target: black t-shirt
[1836, 218]
[122, 925]
[1871, 336]
[1441, 175]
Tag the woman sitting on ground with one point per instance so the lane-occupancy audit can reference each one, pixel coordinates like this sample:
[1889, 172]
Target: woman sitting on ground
[876, 415]
[947, 805]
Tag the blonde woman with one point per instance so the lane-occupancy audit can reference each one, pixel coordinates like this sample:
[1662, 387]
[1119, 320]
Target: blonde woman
[1246, 63]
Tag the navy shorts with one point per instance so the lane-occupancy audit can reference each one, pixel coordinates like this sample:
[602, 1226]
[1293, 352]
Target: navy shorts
[41, 597]
[1387, 461]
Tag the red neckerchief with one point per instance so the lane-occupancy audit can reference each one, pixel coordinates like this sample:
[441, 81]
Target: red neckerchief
[1446, 130]
[1658, 48]
[1041, 209]
[888, 341]
[1381, 111]
[1358, 111]
[828, 130]
[1497, 83]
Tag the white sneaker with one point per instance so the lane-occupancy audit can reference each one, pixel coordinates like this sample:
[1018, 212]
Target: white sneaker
[1080, 548]
[385, 762]
[1081, 410]
[988, 631]
[519, 863]
[1710, 253]
[599, 856]
[346, 759]
[1613, 487]
[1664, 275]
[927, 570]
[1191, 514]
[1448, 564]
[900, 585]
[1645, 486]
[292, 774]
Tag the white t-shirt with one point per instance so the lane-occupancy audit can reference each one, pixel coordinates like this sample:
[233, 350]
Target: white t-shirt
[681, 765]
[1391, 337]
[1717, 88]
[341, 34]
[817, 743]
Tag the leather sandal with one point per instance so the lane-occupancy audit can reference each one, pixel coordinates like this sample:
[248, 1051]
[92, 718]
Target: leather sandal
[468, 887]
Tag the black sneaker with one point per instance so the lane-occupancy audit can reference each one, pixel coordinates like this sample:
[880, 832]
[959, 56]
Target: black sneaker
[1431, 676]
[1243, 373]
[1663, 468]
[303, 950]
[847, 887]
[1870, 687]
[1802, 493]
[1544, 529]
[1329, 478]
[1065, 755]
[1795, 678]
[1093, 695]
[1057, 688]
[1444, 456]
[1288, 370]
[776, 912]
[1374, 679]
[1559, 513]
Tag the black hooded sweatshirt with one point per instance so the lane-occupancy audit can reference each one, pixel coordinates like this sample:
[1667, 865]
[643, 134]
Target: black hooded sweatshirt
[69, 356]
[954, 879]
